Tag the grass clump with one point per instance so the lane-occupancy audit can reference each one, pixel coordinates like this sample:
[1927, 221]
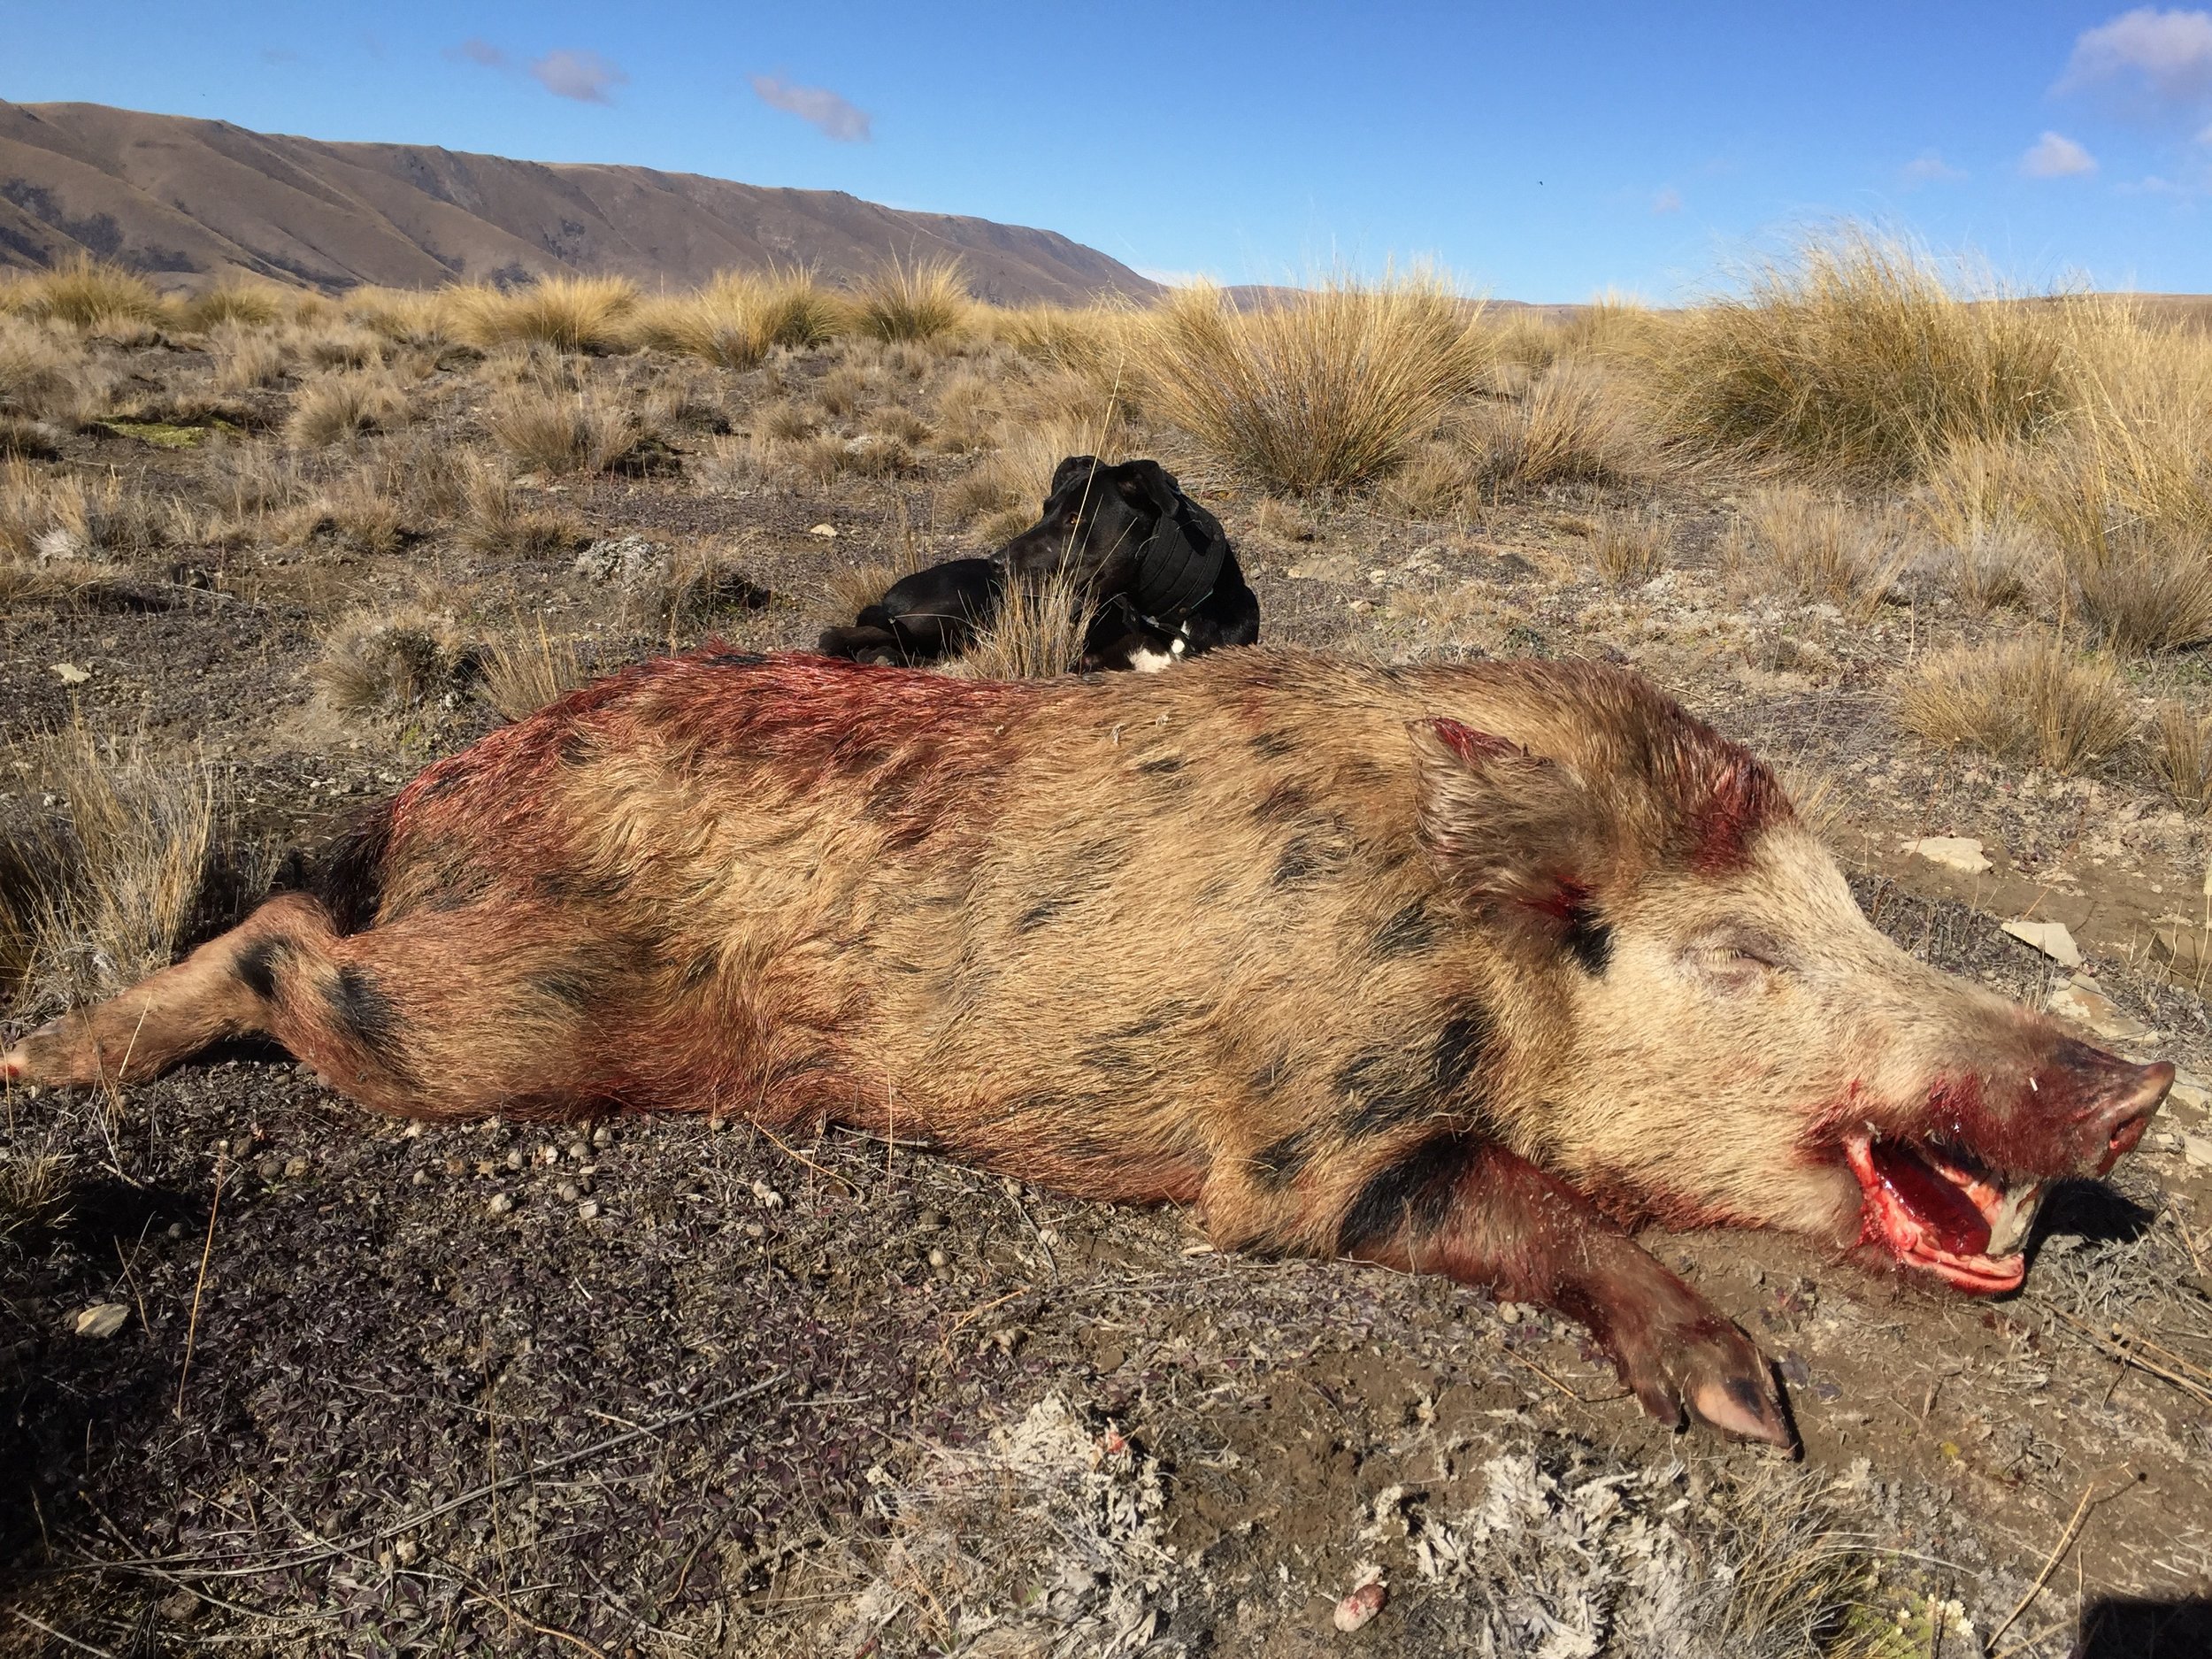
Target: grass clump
[388, 662]
[1630, 549]
[735, 320]
[2029, 700]
[1036, 633]
[914, 301]
[523, 672]
[1323, 391]
[108, 882]
[1573, 426]
[1812, 547]
[333, 408]
[245, 304]
[1858, 354]
[2181, 754]
[545, 430]
[567, 313]
[89, 295]
[498, 520]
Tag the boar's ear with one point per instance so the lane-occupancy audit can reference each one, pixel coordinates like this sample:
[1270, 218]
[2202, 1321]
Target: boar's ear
[1513, 834]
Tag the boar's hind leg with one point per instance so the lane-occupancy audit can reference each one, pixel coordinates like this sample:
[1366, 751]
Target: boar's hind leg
[443, 1014]
[1454, 1204]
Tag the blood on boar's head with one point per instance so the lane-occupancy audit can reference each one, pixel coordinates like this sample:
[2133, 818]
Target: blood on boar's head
[1737, 1044]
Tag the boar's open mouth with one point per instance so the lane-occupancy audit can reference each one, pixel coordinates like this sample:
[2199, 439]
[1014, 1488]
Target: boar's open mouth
[1939, 1211]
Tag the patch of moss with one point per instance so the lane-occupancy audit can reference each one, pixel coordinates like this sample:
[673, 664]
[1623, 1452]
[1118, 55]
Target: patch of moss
[164, 434]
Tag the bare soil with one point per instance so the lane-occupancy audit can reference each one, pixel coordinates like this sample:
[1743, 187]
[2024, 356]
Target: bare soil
[686, 1390]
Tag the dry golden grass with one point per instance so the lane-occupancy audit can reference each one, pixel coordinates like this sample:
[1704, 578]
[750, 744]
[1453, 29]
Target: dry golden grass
[333, 408]
[735, 320]
[549, 431]
[89, 295]
[248, 305]
[913, 300]
[1280, 521]
[2029, 700]
[335, 342]
[2144, 590]
[1809, 546]
[1573, 425]
[2181, 754]
[246, 357]
[1325, 391]
[1858, 354]
[525, 669]
[1629, 549]
[498, 520]
[353, 513]
[426, 321]
[46, 374]
[106, 884]
[1437, 481]
[34, 1195]
[381, 661]
[567, 313]
[1037, 632]
[56, 516]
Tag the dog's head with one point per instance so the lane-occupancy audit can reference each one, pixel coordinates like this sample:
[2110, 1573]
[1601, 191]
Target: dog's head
[1127, 530]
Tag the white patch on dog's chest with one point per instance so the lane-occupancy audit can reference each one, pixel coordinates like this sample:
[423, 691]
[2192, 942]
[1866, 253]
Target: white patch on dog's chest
[1153, 661]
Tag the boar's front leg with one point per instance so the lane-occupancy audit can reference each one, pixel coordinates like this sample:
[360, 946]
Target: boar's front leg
[1456, 1204]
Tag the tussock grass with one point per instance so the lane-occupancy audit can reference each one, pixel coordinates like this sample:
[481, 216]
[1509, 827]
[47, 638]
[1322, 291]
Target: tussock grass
[498, 520]
[1629, 549]
[56, 516]
[382, 662]
[1574, 426]
[1323, 392]
[247, 304]
[739, 318]
[46, 373]
[107, 883]
[88, 295]
[916, 301]
[1437, 481]
[34, 1192]
[1810, 546]
[549, 431]
[525, 670]
[1037, 632]
[333, 408]
[246, 357]
[353, 513]
[2029, 700]
[425, 320]
[2181, 754]
[567, 313]
[1858, 354]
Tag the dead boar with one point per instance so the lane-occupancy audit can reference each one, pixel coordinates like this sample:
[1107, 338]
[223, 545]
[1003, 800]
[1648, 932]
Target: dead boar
[1462, 969]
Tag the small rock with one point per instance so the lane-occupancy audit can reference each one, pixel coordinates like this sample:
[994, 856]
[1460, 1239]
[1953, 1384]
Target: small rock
[102, 1319]
[549, 1155]
[2085, 1005]
[828, 531]
[1330, 567]
[514, 1159]
[2051, 938]
[2197, 1149]
[767, 1196]
[569, 1192]
[589, 1211]
[1509, 1312]
[938, 1258]
[296, 1168]
[270, 1168]
[1962, 853]
[500, 1204]
[625, 561]
[421, 1177]
[754, 1230]
[1355, 1610]
[70, 674]
[578, 1151]
[603, 1136]
[2189, 1094]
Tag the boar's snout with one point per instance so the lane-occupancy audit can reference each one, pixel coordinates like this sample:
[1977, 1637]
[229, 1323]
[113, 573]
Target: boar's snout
[2107, 1102]
[1957, 1194]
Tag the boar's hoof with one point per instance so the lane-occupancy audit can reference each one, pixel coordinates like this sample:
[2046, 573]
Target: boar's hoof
[1709, 1368]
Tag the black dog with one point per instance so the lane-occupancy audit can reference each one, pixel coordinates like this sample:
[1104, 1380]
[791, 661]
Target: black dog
[1156, 566]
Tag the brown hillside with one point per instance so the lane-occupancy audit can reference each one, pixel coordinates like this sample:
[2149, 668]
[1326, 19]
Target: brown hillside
[189, 200]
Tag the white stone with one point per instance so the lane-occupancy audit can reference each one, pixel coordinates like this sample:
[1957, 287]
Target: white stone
[828, 531]
[102, 1319]
[2051, 938]
[2085, 1005]
[1962, 853]
[70, 674]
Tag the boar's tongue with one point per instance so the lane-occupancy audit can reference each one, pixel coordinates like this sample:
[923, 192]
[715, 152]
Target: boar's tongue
[1947, 1216]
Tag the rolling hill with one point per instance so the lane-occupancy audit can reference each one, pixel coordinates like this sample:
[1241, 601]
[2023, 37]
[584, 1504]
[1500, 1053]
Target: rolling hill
[190, 201]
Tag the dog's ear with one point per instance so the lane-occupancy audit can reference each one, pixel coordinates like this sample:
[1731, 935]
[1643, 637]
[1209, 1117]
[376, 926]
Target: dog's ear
[1076, 467]
[1148, 485]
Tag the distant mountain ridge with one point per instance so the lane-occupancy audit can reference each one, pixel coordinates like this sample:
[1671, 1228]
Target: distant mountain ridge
[190, 201]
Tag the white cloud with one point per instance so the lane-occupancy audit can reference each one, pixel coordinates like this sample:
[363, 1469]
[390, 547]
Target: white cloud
[478, 51]
[2054, 156]
[1929, 168]
[1668, 201]
[2169, 52]
[586, 77]
[834, 117]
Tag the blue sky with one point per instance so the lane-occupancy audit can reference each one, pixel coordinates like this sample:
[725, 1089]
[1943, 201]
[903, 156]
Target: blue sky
[1541, 153]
